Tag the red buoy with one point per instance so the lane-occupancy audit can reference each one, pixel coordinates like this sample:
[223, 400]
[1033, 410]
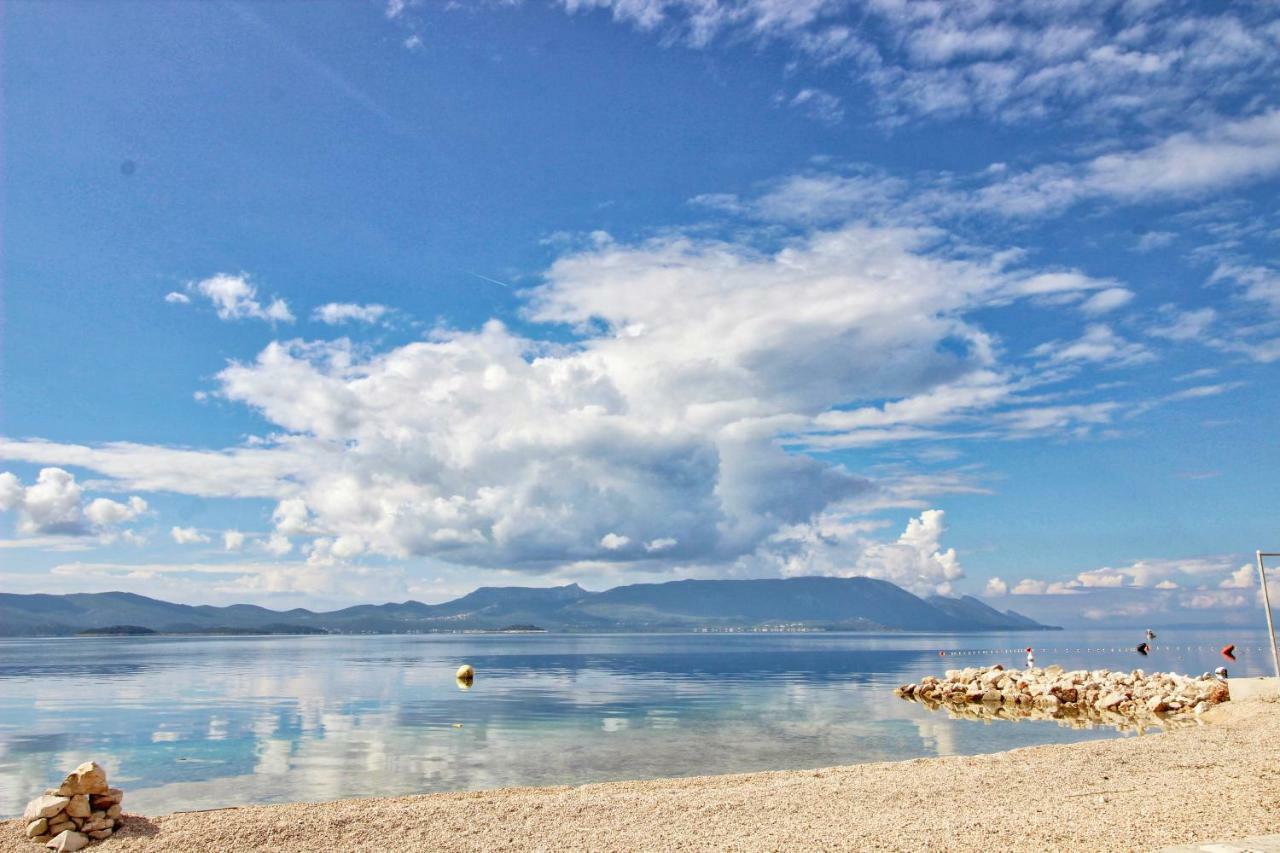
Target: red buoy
[1229, 651]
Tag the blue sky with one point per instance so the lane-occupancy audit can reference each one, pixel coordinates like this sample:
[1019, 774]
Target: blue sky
[331, 302]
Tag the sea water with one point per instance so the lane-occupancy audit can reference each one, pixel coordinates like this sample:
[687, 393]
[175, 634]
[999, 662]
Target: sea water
[201, 722]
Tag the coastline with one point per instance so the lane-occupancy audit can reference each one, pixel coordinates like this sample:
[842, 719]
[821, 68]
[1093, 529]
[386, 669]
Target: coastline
[1214, 781]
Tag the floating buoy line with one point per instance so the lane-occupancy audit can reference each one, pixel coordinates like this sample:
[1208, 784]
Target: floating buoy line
[1230, 650]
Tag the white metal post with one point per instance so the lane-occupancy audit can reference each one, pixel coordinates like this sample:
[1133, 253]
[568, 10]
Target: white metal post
[1266, 602]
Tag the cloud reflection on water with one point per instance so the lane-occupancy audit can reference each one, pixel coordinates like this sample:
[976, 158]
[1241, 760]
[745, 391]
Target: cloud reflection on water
[199, 723]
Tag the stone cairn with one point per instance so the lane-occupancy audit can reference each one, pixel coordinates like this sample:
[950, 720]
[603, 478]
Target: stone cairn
[80, 810]
[1100, 695]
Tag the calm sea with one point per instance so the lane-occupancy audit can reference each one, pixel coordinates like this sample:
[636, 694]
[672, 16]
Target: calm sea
[191, 723]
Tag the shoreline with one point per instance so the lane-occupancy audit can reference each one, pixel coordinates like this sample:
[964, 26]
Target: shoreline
[1214, 781]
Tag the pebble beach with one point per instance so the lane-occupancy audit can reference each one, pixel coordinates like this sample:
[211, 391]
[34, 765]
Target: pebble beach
[1219, 779]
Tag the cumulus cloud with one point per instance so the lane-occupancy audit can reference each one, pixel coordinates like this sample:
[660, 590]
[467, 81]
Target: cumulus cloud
[104, 512]
[278, 544]
[187, 535]
[916, 561]
[1244, 577]
[176, 298]
[232, 540]
[692, 387]
[54, 505]
[995, 588]
[614, 542]
[1032, 586]
[234, 297]
[336, 313]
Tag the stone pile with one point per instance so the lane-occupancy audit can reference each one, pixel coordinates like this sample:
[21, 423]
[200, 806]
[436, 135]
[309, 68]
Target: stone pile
[1080, 692]
[80, 810]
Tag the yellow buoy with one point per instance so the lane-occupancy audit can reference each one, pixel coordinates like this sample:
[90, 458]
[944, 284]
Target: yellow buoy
[466, 672]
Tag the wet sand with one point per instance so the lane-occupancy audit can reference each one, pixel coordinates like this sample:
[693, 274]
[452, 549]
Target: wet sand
[1213, 781]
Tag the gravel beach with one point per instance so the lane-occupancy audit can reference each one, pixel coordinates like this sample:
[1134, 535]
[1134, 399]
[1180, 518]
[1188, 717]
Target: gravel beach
[1213, 781]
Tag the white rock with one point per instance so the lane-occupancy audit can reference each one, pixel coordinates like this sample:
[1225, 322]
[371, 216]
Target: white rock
[67, 842]
[45, 806]
[88, 778]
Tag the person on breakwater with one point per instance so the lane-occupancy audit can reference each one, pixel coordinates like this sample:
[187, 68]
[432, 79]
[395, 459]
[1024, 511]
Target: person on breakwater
[1031, 658]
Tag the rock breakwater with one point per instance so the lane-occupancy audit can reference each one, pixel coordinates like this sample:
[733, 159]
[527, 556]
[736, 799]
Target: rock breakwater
[80, 810]
[1052, 691]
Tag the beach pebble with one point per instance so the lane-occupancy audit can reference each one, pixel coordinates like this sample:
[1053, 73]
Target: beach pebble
[67, 842]
[88, 778]
[46, 806]
[79, 806]
[61, 825]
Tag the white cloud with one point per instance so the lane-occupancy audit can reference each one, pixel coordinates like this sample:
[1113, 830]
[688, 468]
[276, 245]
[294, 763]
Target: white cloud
[916, 562]
[232, 540]
[248, 472]
[187, 535]
[54, 506]
[1031, 586]
[1227, 153]
[1193, 375]
[1089, 61]
[1152, 240]
[697, 380]
[104, 512]
[995, 588]
[335, 313]
[1106, 300]
[1244, 577]
[1214, 600]
[614, 542]
[1256, 283]
[818, 105]
[1098, 345]
[292, 517]
[278, 544]
[1185, 325]
[234, 297]
[820, 197]
[176, 298]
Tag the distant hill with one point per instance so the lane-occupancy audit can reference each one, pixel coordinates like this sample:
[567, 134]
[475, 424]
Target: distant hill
[852, 604]
[117, 631]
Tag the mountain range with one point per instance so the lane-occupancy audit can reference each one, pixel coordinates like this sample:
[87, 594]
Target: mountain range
[824, 603]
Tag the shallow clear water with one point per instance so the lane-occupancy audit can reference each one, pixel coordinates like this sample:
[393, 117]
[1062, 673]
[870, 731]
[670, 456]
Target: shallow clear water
[190, 723]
